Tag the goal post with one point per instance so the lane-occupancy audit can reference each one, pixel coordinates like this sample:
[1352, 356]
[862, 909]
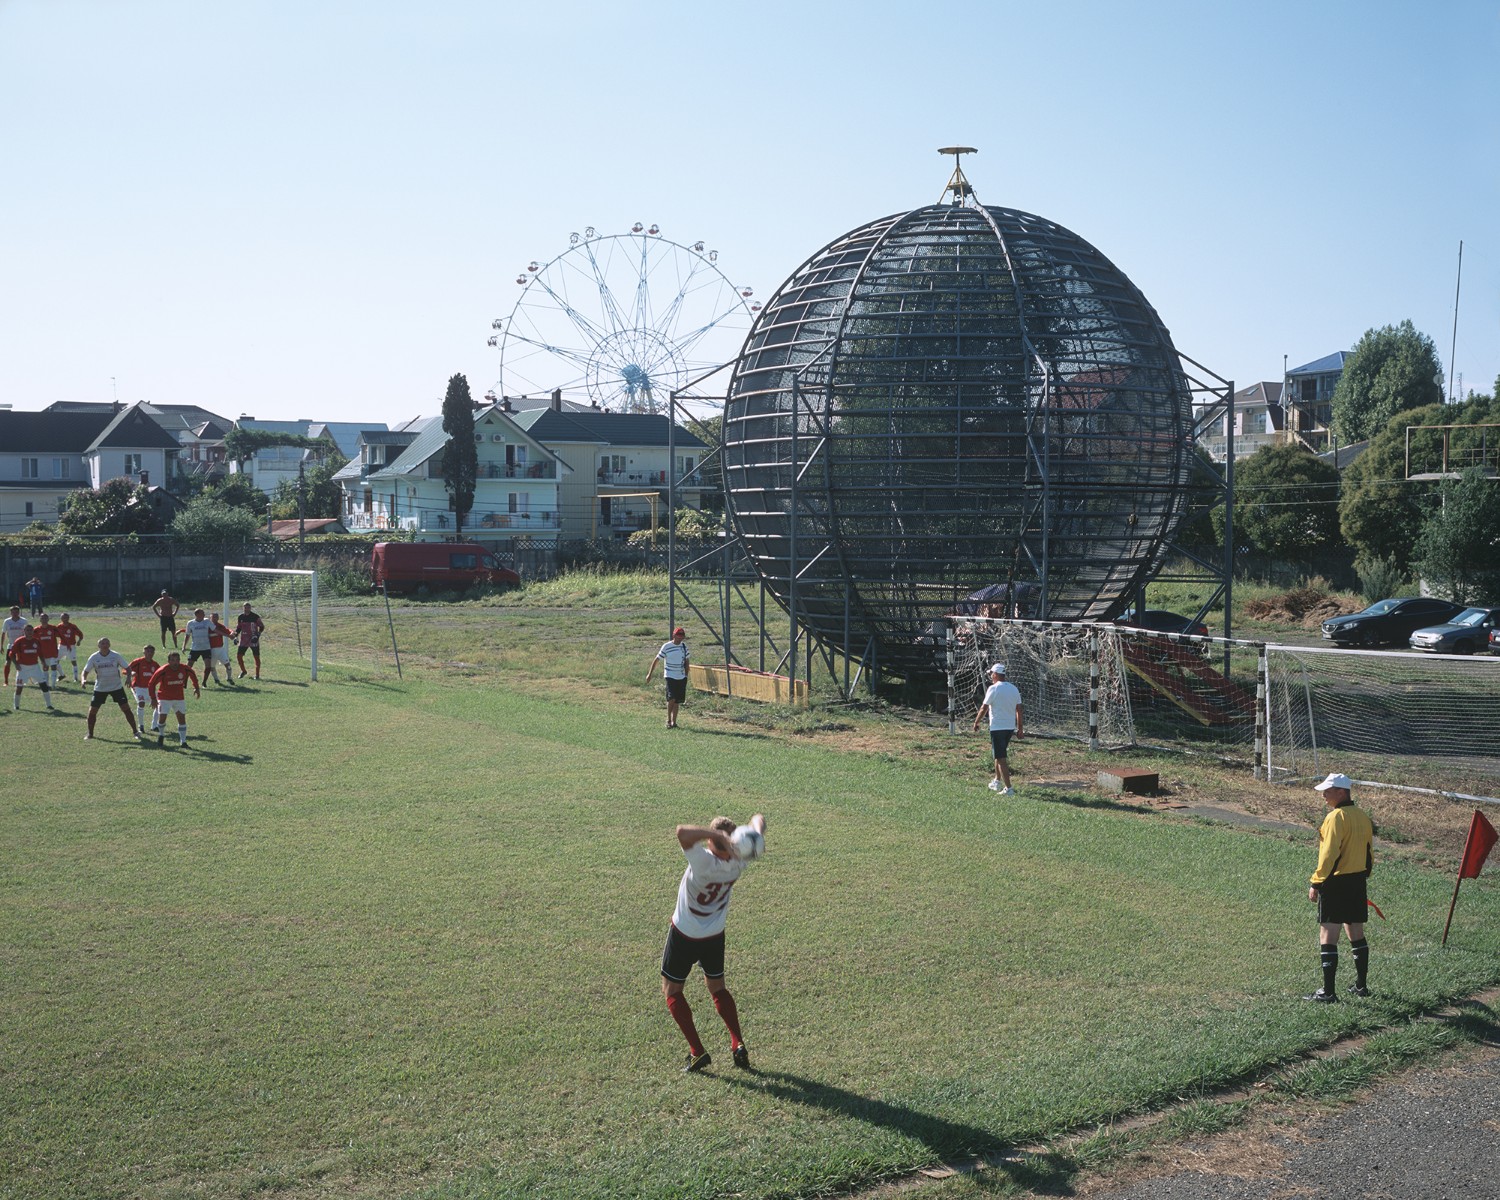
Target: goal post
[296, 589]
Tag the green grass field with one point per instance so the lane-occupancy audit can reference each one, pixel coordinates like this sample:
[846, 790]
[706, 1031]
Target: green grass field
[375, 938]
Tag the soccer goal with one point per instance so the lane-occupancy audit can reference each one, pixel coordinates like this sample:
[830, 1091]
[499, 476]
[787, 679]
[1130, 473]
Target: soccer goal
[286, 600]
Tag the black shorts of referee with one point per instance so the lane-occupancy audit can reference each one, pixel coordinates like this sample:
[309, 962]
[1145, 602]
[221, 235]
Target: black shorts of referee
[1342, 899]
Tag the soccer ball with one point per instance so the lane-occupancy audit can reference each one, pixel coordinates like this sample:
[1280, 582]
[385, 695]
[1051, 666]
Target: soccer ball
[746, 843]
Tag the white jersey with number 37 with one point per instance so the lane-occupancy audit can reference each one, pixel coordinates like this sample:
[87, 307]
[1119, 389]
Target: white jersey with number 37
[703, 894]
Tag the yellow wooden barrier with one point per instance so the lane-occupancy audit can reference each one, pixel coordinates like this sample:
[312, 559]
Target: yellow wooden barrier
[747, 685]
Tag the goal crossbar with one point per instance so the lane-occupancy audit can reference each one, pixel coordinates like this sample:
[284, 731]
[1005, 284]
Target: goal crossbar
[312, 624]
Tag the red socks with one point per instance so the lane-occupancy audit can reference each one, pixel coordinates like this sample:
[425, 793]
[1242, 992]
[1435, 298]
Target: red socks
[730, 1015]
[682, 1013]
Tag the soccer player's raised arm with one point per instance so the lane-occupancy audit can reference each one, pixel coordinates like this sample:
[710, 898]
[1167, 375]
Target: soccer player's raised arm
[689, 836]
[758, 823]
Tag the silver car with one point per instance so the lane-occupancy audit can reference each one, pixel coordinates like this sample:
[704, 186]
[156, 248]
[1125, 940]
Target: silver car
[1467, 633]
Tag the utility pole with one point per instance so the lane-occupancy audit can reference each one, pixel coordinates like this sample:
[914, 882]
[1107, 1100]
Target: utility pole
[301, 504]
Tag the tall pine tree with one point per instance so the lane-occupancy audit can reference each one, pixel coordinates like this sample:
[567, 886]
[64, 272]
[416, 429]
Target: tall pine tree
[460, 463]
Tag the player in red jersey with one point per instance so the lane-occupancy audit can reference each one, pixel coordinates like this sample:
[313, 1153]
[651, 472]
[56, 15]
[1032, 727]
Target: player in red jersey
[26, 653]
[168, 688]
[138, 674]
[219, 638]
[69, 638]
[46, 634]
[247, 630]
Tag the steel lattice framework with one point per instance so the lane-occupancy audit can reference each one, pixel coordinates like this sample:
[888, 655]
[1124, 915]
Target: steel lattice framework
[948, 399]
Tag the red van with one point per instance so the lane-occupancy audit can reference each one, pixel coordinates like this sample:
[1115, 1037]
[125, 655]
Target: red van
[406, 566]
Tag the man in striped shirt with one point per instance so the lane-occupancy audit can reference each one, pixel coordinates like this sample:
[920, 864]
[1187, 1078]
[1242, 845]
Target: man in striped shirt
[673, 656]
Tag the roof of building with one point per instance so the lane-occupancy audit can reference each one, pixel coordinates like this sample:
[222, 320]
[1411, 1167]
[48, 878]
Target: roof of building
[174, 418]
[284, 530]
[50, 431]
[1322, 366]
[433, 437]
[133, 428]
[610, 429]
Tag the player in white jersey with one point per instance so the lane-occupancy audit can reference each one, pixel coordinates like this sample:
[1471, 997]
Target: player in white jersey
[10, 629]
[697, 932]
[673, 656]
[200, 631]
[108, 669]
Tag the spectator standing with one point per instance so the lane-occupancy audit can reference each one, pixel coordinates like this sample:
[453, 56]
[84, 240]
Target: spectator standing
[1002, 703]
[166, 610]
[673, 656]
[108, 669]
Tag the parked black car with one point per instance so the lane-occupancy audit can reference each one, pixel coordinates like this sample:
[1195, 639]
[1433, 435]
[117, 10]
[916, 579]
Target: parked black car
[1162, 620]
[1389, 622]
[1468, 633]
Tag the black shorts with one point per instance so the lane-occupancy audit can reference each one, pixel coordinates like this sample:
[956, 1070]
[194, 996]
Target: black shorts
[677, 690]
[1000, 741]
[118, 696]
[168, 624]
[681, 952]
[1341, 900]
[194, 655]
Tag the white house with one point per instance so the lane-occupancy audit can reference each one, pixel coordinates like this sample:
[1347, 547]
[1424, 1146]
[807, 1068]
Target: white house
[395, 483]
[271, 465]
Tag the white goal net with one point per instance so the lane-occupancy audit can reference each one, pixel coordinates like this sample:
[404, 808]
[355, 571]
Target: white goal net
[1296, 712]
[286, 601]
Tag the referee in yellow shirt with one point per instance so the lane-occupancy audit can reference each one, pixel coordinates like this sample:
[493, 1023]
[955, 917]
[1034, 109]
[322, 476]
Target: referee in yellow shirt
[1338, 885]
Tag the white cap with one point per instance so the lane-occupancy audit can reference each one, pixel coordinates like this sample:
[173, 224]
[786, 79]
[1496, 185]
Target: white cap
[1334, 780]
[998, 669]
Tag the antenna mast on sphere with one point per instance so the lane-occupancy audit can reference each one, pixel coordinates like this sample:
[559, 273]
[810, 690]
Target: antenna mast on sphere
[958, 183]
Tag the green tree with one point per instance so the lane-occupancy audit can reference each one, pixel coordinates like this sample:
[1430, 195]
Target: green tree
[322, 496]
[208, 521]
[1285, 504]
[1392, 369]
[119, 507]
[460, 461]
[238, 491]
[1459, 548]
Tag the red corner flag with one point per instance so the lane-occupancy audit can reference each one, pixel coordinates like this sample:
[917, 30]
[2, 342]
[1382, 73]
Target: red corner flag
[1477, 847]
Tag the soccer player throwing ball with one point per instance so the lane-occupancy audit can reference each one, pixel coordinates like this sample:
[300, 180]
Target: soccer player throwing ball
[1002, 701]
[168, 694]
[697, 931]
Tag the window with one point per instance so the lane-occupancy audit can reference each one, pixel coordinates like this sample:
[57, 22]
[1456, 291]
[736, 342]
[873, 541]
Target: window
[132, 464]
[60, 468]
[28, 468]
[29, 513]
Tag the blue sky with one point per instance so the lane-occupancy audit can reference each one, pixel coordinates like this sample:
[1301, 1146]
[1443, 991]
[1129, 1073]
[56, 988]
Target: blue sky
[314, 209]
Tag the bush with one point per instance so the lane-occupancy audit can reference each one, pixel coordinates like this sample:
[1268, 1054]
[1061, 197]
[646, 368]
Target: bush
[1379, 577]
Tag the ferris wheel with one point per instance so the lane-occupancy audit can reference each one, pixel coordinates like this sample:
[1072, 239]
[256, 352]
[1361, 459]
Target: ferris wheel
[625, 318]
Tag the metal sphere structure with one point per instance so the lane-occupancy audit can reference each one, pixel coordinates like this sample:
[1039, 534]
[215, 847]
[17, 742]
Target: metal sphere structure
[950, 399]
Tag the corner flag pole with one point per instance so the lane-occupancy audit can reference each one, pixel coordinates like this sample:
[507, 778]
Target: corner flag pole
[1477, 847]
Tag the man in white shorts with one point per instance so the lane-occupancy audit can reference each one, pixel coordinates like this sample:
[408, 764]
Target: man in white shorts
[10, 629]
[697, 933]
[26, 652]
[108, 669]
[168, 694]
[68, 638]
[218, 641]
[138, 674]
[200, 631]
[1002, 701]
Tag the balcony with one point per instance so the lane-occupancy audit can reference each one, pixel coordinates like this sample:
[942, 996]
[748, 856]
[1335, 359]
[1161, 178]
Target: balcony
[437, 520]
[645, 479]
[541, 470]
